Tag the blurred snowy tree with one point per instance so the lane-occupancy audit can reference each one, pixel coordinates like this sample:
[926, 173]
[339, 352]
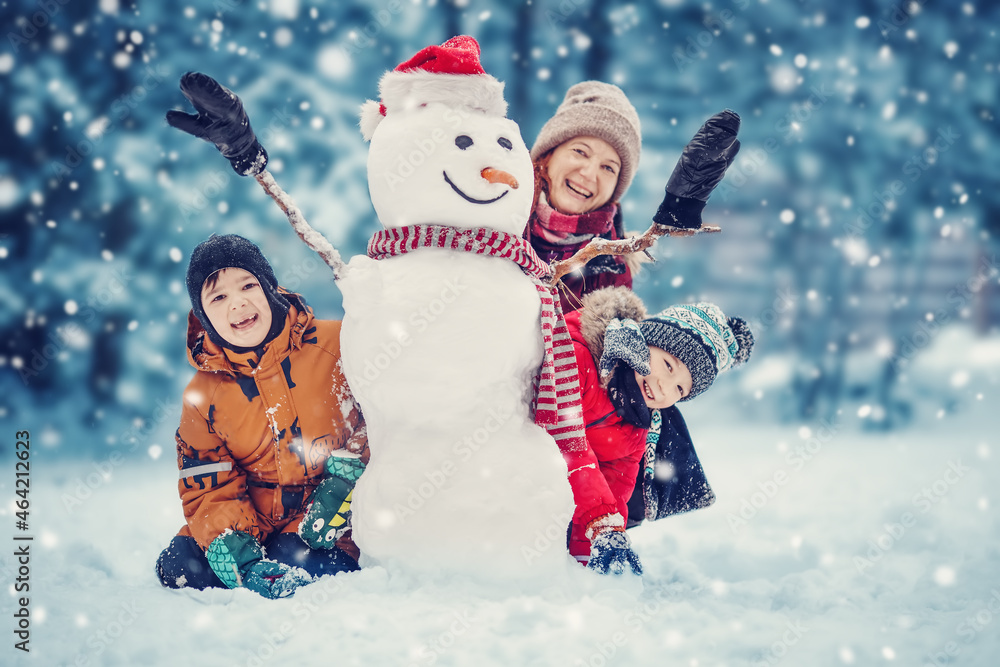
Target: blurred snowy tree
[862, 201]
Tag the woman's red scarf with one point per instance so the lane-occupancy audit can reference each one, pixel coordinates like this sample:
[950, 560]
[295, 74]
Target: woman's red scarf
[558, 228]
[558, 407]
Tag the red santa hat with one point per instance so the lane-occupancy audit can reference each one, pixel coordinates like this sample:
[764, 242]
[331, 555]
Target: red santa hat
[448, 74]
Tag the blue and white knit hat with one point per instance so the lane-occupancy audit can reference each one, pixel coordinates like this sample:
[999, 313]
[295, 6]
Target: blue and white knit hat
[702, 337]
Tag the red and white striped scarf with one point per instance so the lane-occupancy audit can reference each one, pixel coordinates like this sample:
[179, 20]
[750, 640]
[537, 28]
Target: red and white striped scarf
[558, 407]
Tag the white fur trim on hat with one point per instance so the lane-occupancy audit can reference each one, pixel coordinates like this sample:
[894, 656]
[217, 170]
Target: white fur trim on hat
[369, 118]
[401, 91]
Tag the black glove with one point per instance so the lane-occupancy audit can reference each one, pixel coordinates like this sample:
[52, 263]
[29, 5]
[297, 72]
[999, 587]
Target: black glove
[700, 168]
[220, 120]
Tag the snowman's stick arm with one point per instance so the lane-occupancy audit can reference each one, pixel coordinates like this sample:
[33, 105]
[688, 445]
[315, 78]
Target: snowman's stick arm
[315, 240]
[599, 246]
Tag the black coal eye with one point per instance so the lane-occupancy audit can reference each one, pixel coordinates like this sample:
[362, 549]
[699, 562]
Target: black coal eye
[463, 141]
[505, 142]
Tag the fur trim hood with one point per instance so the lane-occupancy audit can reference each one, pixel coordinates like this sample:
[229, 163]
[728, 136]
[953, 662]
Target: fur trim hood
[602, 306]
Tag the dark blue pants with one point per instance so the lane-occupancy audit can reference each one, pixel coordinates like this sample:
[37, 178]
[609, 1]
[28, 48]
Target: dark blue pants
[183, 564]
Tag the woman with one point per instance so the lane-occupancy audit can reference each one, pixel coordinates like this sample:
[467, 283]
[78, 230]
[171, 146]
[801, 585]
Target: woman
[631, 366]
[585, 157]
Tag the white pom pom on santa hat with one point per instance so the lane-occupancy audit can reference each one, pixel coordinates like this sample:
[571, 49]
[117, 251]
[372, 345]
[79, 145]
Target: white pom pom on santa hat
[448, 74]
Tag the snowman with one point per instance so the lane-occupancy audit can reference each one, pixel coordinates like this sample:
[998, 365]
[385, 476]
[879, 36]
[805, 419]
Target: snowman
[445, 330]
[453, 340]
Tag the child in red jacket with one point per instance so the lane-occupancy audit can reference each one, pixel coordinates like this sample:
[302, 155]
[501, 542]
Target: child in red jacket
[631, 366]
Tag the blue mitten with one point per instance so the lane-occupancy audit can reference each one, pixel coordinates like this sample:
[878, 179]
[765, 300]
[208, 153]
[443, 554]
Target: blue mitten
[611, 553]
[238, 560]
[623, 341]
[328, 515]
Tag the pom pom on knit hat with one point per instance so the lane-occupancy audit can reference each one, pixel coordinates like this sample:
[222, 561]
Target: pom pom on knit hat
[231, 251]
[596, 109]
[744, 338]
[449, 74]
[703, 338]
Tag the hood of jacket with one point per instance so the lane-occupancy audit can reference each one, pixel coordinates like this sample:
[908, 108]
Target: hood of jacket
[602, 306]
[205, 355]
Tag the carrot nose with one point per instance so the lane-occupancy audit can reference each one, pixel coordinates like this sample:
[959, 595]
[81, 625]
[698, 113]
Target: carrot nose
[497, 176]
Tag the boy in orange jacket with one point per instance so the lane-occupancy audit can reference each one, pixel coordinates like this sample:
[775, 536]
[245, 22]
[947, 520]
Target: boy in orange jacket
[270, 441]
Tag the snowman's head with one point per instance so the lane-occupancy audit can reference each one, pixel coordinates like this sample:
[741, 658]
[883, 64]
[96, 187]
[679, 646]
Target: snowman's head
[442, 150]
[437, 164]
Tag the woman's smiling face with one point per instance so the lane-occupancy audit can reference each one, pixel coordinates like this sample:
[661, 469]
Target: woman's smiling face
[583, 174]
[237, 307]
[669, 380]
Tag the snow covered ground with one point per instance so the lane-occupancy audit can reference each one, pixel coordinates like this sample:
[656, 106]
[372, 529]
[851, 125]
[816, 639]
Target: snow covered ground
[825, 547]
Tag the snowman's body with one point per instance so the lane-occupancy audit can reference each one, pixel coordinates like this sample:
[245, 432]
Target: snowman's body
[441, 348]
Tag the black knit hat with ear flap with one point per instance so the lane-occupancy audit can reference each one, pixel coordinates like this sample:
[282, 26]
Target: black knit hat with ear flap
[703, 338]
[233, 252]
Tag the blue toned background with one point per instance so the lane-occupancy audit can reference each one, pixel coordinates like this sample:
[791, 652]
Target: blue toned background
[859, 221]
[853, 458]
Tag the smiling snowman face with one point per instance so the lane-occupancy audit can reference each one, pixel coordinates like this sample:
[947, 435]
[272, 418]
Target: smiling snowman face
[438, 165]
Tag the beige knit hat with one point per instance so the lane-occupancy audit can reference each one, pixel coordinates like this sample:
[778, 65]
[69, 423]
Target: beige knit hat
[596, 109]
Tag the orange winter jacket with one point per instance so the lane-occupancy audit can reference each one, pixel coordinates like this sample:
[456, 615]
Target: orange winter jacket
[255, 433]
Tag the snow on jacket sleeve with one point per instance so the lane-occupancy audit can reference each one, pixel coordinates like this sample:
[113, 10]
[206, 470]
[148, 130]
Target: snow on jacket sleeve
[212, 488]
[591, 493]
[357, 443]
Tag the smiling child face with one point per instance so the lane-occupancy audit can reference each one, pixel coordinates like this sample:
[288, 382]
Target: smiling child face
[669, 379]
[583, 174]
[237, 307]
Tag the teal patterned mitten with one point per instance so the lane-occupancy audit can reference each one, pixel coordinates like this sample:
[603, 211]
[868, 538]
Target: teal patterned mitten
[238, 560]
[345, 465]
[329, 514]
